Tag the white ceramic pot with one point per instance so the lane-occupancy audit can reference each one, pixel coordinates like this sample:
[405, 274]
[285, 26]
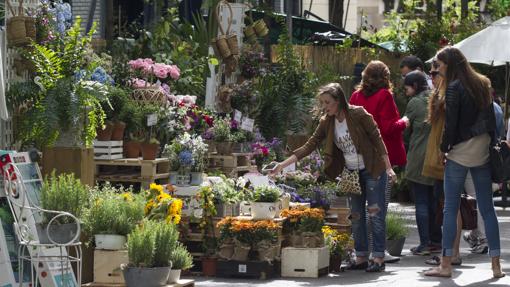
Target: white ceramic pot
[174, 276]
[263, 210]
[110, 241]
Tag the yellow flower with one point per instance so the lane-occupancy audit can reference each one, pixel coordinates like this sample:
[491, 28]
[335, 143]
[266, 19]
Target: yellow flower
[176, 207]
[148, 206]
[177, 219]
[162, 196]
[156, 187]
[127, 196]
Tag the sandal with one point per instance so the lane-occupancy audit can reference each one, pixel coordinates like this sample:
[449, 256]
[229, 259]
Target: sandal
[420, 250]
[437, 272]
[376, 267]
[436, 260]
[357, 266]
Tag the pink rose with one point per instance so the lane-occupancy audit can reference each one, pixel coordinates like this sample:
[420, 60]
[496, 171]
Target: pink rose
[136, 64]
[174, 71]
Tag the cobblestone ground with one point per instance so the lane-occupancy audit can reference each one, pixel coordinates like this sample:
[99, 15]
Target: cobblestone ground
[475, 269]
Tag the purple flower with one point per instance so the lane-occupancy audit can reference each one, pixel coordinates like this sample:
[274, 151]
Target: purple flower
[234, 125]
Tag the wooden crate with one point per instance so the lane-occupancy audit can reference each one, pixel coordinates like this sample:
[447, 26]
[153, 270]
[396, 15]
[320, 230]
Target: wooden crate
[143, 171]
[108, 149]
[107, 266]
[294, 265]
[249, 269]
[79, 161]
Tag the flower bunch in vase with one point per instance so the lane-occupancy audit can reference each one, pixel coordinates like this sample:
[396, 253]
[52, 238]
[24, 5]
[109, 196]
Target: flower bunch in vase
[187, 153]
[162, 206]
[340, 245]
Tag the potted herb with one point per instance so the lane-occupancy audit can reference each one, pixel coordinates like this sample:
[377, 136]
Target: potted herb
[181, 260]
[150, 247]
[63, 193]
[263, 202]
[396, 232]
[112, 215]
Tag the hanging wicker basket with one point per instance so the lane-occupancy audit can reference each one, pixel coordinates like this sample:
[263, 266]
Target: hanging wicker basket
[260, 28]
[30, 27]
[220, 44]
[16, 30]
[149, 95]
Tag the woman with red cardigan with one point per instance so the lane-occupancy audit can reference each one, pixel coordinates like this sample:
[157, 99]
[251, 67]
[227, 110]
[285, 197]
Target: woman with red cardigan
[374, 94]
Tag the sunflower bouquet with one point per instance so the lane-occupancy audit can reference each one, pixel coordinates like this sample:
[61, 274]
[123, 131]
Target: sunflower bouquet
[162, 206]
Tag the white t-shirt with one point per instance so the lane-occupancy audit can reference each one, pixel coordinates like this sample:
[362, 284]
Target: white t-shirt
[508, 131]
[343, 141]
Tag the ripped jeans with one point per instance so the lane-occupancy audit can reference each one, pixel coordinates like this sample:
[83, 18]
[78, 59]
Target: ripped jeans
[373, 194]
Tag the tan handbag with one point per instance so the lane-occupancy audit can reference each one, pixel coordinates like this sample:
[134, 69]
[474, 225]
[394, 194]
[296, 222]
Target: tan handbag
[349, 182]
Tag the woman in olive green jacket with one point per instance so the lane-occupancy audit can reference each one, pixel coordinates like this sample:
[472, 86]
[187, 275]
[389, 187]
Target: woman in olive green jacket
[353, 141]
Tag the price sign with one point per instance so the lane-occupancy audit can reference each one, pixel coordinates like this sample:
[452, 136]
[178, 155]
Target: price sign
[152, 119]
[242, 268]
[238, 116]
[247, 124]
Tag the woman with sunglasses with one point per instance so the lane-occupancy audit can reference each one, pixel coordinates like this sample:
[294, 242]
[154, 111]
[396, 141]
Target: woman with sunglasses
[469, 125]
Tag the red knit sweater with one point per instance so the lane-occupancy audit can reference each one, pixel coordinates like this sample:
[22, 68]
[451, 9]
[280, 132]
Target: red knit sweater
[384, 110]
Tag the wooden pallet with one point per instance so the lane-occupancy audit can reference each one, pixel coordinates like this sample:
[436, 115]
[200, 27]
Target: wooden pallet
[180, 283]
[133, 170]
[232, 160]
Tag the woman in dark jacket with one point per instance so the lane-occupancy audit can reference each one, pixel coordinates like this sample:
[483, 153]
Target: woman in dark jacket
[353, 141]
[469, 125]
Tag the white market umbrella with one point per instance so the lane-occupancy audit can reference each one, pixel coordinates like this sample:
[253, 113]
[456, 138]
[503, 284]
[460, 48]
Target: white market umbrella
[488, 45]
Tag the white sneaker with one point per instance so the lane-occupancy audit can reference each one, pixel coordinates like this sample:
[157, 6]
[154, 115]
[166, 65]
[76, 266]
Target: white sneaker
[388, 258]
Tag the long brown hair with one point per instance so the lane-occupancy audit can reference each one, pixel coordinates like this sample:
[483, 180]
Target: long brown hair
[337, 93]
[376, 76]
[458, 68]
[436, 108]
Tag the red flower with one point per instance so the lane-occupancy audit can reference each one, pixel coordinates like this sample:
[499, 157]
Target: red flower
[265, 150]
[443, 42]
[209, 120]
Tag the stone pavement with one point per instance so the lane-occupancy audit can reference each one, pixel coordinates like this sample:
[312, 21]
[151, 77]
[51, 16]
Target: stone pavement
[475, 269]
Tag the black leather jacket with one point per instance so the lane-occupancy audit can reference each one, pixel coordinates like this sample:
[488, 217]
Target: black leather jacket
[464, 119]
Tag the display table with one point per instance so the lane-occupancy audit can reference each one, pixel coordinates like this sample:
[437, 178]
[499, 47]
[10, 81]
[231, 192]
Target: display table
[134, 170]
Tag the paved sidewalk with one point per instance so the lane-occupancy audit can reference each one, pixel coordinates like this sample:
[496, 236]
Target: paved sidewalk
[475, 269]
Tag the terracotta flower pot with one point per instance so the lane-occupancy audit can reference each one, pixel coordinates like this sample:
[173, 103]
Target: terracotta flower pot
[118, 131]
[106, 133]
[132, 149]
[149, 151]
[209, 266]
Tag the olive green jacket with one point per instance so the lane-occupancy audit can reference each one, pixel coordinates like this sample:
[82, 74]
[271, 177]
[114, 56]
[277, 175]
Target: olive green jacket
[418, 132]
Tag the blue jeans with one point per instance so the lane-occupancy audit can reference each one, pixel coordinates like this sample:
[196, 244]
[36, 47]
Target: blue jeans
[454, 179]
[373, 193]
[426, 204]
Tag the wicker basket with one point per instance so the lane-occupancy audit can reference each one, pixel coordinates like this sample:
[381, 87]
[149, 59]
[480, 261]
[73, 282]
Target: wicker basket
[149, 95]
[16, 30]
[30, 27]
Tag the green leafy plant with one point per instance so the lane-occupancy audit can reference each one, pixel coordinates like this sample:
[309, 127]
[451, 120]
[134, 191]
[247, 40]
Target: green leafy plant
[151, 244]
[286, 93]
[206, 203]
[113, 211]
[181, 258]
[64, 193]
[266, 194]
[395, 226]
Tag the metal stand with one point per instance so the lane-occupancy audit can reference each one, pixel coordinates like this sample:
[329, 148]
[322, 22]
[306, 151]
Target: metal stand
[50, 260]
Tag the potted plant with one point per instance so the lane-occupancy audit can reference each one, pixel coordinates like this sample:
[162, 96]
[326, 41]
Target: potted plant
[150, 149]
[150, 247]
[223, 135]
[228, 193]
[209, 242]
[339, 245]
[181, 260]
[263, 202]
[188, 156]
[63, 193]
[396, 232]
[112, 215]
[305, 226]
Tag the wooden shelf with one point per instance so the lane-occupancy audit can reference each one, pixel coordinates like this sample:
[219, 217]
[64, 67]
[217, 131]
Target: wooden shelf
[133, 170]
